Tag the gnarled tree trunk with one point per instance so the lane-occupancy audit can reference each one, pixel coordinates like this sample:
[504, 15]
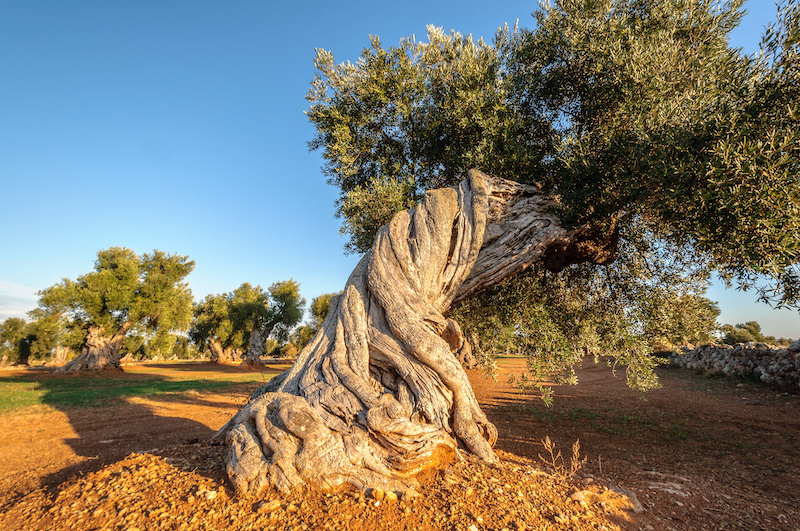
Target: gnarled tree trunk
[59, 357]
[255, 349]
[220, 354]
[379, 395]
[100, 351]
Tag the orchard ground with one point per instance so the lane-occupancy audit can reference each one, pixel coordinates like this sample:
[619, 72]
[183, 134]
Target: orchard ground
[696, 454]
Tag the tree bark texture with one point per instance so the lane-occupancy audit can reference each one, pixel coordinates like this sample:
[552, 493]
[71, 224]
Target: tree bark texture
[59, 357]
[379, 394]
[220, 354]
[100, 351]
[255, 349]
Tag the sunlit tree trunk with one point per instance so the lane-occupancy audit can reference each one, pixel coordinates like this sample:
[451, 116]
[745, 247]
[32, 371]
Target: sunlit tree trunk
[99, 352]
[59, 357]
[220, 354]
[379, 394]
[255, 349]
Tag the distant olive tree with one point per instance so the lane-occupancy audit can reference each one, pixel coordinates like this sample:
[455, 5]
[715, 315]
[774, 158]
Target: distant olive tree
[239, 323]
[124, 293]
[743, 333]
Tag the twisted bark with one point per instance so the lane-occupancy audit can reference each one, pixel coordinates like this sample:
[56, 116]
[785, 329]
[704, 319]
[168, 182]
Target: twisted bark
[255, 349]
[379, 395]
[100, 352]
[220, 354]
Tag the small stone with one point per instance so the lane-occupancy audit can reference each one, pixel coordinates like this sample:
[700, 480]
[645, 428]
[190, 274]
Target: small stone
[409, 495]
[580, 496]
[472, 527]
[469, 492]
[560, 519]
[390, 496]
[269, 506]
[377, 494]
[210, 494]
[633, 503]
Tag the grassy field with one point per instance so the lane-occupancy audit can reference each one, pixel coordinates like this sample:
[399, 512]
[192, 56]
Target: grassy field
[23, 389]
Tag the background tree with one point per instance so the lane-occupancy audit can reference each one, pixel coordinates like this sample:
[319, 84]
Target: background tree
[749, 332]
[240, 322]
[224, 322]
[320, 306]
[45, 335]
[286, 307]
[125, 292]
[12, 336]
[303, 334]
[638, 113]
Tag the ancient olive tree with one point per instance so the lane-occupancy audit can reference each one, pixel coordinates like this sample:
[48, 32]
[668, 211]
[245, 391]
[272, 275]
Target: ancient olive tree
[237, 324]
[636, 112]
[125, 292]
[379, 395]
[638, 121]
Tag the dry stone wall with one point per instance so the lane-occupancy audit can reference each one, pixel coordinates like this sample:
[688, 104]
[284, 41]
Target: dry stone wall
[779, 365]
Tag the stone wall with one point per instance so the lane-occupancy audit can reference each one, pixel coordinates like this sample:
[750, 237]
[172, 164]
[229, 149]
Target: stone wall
[779, 365]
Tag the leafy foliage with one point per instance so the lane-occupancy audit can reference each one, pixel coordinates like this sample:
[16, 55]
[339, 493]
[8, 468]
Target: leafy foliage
[658, 117]
[229, 319]
[638, 113]
[743, 333]
[412, 118]
[286, 309]
[12, 334]
[124, 292]
[303, 334]
[320, 306]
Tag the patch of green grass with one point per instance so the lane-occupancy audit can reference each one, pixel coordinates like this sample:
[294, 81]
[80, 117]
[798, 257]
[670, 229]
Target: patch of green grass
[103, 389]
[677, 432]
[584, 414]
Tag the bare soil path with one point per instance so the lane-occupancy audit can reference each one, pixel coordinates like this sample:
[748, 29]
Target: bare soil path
[697, 454]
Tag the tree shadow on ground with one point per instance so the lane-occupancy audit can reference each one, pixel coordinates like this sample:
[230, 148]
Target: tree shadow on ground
[269, 367]
[111, 414]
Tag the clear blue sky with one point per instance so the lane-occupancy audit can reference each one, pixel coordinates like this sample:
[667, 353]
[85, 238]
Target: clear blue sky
[179, 126]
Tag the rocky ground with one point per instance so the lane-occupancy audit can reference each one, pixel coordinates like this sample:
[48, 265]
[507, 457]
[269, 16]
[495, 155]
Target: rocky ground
[698, 454]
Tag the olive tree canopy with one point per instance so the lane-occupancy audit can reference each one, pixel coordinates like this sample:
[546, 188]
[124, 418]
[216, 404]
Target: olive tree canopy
[125, 291]
[611, 127]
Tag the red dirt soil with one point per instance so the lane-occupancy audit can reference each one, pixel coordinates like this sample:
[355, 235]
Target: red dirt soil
[697, 454]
